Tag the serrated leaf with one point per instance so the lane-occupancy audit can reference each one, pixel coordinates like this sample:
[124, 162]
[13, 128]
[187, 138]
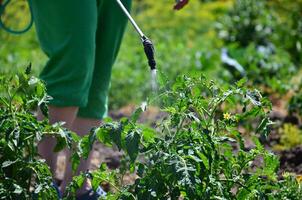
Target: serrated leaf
[132, 144]
[79, 180]
[103, 135]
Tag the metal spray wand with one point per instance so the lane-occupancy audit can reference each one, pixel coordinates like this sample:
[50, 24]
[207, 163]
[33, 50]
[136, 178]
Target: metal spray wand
[147, 43]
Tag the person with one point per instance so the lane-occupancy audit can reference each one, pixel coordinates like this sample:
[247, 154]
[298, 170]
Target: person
[81, 40]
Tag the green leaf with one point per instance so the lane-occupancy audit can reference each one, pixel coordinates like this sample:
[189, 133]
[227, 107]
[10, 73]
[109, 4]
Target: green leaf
[149, 134]
[263, 127]
[271, 165]
[132, 144]
[254, 97]
[60, 145]
[86, 146]
[101, 175]
[18, 189]
[79, 180]
[8, 163]
[33, 80]
[75, 161]
[116, 135]
[44, 109]
[204, 159]
[135, 116]
[140, 169]
[103, 135]
[86, 143]
[259, 146]
[38, 189]
[241, 82]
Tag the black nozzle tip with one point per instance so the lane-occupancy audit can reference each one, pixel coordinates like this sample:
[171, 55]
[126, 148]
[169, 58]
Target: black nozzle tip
[150, 52]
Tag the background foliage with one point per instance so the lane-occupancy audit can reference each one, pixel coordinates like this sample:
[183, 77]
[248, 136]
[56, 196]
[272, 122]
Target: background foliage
[264, 36]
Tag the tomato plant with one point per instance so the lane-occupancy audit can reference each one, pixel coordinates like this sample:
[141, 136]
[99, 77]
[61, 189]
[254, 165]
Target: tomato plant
[197, 151]
[22, 173]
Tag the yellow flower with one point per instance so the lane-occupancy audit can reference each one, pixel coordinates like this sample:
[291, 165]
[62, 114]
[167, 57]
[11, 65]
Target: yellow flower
[227, 116]
[299, 178]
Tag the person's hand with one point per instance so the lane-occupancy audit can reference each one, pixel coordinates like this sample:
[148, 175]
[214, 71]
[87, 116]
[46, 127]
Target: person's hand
[180, 4]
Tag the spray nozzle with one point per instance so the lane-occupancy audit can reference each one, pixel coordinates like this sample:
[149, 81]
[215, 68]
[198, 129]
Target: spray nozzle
[148, 45]
[150, 52]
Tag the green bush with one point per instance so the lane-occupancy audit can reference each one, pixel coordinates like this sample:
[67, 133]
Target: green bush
[294, 105]
[266, 66]
[250, 32]
[289, 27]
[248, 21]
[290, 137]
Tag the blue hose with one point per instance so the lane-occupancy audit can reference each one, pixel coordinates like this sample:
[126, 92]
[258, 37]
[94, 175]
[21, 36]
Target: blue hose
[9, 30]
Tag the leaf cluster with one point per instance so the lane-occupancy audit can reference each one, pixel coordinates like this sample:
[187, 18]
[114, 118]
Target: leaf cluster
[197, 151]
[22, 174]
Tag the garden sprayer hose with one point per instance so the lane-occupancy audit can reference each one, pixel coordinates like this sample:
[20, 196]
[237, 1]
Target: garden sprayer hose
[10, 30]
[147, 43]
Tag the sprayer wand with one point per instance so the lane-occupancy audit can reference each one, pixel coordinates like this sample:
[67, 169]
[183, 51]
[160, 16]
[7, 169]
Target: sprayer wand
[147, 43]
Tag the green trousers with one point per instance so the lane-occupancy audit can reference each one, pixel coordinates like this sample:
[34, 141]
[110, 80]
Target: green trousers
[81, 39]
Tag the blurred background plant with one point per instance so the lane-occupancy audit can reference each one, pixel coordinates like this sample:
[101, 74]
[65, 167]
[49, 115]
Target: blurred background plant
[295, 104]
[290, 137]
[289, 29]
[16, 51]
[246, 22]
[250, 32]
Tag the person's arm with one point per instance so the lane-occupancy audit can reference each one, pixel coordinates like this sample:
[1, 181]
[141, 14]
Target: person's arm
[180, 4]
